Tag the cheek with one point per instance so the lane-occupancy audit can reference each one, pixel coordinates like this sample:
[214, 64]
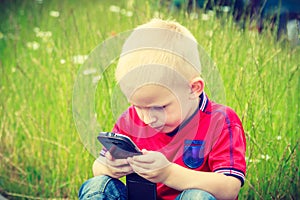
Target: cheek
[139, 113]
[174, 116]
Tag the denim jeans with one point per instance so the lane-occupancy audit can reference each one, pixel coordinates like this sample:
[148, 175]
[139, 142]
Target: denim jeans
[107, 188]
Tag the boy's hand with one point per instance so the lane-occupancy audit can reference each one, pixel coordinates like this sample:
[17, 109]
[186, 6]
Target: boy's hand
[117, 167]
[152, 165]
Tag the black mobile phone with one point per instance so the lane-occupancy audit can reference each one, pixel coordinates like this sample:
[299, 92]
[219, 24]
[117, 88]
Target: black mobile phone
[119, 146]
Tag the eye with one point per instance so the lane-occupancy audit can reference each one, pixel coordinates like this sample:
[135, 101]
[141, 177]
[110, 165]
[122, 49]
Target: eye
[158, 107]
[136, 107]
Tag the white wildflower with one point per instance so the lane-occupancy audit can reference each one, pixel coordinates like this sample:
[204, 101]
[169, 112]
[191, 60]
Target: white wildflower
[115, 9]
[54, 13]
[43, 34]
[211, 13]
[13, 70]
[96, 79]
[278, 137]
[36, 29]
[129, 14]
[62, 61]
[205, 17]
[79, 59]
[254, 160]
[193, 15]
[1, 35]
[89, 71]
[265, 157]
[33, 45]
[225, 8]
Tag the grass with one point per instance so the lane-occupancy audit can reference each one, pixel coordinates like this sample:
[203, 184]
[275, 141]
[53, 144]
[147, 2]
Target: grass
[41, 153]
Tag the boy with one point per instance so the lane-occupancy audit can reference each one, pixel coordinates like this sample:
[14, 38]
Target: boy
[192, 147]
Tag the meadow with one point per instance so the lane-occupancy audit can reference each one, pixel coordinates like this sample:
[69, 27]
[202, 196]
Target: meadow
[43, 44]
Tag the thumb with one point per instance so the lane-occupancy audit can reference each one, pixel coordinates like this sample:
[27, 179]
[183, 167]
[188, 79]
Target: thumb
[108, 156]
[144, 151]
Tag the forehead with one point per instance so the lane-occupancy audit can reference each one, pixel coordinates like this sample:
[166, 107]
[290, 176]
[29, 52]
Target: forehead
[151, 95]
[170, 60]
[159, 75]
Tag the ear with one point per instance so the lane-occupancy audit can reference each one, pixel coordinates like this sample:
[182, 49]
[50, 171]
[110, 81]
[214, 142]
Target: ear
[197, 86]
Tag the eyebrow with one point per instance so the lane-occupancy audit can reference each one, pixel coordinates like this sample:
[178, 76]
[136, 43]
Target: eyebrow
[152, 106]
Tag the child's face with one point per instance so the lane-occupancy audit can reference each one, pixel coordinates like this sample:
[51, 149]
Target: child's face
[162, 109]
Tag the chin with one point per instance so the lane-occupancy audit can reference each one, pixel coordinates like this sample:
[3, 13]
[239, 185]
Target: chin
[168, 129]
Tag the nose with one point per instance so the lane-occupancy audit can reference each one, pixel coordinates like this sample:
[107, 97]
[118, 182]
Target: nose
[147, 117]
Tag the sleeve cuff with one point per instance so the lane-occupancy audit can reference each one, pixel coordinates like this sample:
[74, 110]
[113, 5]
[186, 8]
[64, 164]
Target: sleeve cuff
[232, 172]
[102, 152]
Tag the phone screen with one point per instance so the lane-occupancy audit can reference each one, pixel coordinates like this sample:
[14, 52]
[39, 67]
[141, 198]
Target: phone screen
[119, 146]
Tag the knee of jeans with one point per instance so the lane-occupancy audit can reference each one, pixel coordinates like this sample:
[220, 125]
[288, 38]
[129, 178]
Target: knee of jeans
[195, 194]
[103, 187]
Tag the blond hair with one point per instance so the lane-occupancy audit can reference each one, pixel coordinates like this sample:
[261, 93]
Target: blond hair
[173, 46]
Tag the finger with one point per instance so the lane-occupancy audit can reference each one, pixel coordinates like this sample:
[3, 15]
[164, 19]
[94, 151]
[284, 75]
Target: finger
[147, 158]
[146, 173]
[120, 171]
[144, 151]
[117, 162]
[109, 156]
[118, 174]
[141, 166]
[138, 169]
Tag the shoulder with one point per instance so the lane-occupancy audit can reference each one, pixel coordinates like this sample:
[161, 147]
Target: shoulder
[223, 112]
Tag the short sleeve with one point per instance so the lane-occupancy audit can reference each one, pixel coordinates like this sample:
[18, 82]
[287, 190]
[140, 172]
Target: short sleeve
[228, 154]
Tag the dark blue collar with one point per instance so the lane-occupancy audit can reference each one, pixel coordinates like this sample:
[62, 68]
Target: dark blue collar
[202, 106]
[203, 101]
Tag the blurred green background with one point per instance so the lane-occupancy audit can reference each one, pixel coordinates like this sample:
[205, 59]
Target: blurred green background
[44, 43]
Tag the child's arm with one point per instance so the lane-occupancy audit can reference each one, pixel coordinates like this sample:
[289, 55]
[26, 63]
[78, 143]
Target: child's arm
[219, 185]
[156, 168]
[107, 165]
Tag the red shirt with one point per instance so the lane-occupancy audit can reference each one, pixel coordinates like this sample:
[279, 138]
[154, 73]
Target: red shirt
[211, 140]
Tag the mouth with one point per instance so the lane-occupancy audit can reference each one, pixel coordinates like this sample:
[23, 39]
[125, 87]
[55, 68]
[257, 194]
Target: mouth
[157, 127]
